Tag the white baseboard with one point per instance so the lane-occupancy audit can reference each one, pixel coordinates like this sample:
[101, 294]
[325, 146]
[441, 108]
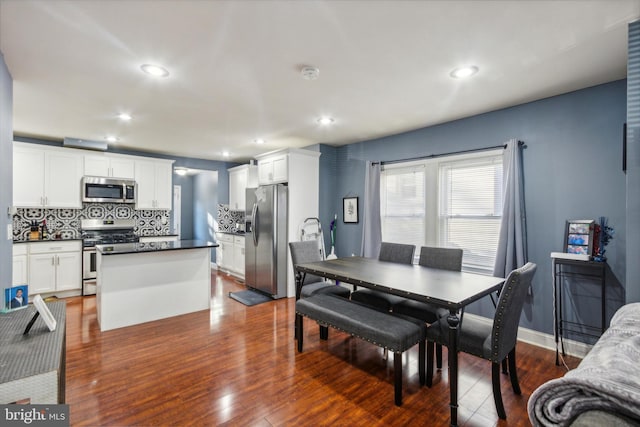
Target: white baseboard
[571, 347]
[214, 266]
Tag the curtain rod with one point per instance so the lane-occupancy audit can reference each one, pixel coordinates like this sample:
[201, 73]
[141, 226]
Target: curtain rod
[433, 156]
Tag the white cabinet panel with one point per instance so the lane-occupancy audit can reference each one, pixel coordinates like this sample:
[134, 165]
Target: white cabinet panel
[54, 266]
[238, 255]
[20, 270]
[122, 168]
[154, 184]
[42, 273]
[28, 177]
[241, 178]
[63, 172]
[116, 167]
[273, 169]
[68, 270]
[46, 177]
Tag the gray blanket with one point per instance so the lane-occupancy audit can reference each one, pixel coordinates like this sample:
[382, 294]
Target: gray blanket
[607, 379]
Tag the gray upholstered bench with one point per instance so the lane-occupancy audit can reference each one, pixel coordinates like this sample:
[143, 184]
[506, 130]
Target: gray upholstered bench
[393, 332]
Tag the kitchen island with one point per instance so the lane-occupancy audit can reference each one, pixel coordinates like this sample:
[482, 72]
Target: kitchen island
[142, 282]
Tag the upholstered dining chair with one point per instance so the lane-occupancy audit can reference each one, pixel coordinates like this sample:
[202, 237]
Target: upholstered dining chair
[444, 259]
[494, 341]
[307, 251]
[391, 252]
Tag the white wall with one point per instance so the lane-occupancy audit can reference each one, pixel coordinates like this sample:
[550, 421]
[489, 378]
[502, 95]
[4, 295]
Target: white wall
[6, 175]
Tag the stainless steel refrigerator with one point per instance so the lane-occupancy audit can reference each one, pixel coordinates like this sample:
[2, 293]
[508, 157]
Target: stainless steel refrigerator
[266, 239]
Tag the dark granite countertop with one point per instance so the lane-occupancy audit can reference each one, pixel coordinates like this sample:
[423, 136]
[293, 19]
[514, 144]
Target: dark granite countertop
[132, 248]
[234, 233]
[47, 240]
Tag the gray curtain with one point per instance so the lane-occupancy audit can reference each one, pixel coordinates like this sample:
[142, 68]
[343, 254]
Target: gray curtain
[512, 246]
[371, 226]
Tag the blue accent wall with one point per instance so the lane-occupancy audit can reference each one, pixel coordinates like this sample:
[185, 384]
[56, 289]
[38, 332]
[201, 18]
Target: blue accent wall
[186, 206]
[572, 168]
[6, 176]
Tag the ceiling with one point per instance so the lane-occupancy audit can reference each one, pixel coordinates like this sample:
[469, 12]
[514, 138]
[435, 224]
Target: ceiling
[235, 67]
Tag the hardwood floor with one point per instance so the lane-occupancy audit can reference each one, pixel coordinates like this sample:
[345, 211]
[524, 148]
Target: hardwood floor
[238, 366]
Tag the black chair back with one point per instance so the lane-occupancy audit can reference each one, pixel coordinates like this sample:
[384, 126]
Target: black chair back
[442, 258]
[507, 317]
[396, 252]
[303, 252]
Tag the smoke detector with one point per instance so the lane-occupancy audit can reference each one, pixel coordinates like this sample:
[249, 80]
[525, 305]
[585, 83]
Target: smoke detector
[310, 73]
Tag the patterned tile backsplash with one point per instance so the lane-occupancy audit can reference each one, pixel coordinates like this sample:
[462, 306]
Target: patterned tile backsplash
[67, 221]
[227, 218]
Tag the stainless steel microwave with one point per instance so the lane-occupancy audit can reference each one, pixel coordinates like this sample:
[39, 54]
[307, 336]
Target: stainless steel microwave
[96, 189]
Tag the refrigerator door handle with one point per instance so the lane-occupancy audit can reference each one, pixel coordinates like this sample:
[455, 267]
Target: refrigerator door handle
[254, 224]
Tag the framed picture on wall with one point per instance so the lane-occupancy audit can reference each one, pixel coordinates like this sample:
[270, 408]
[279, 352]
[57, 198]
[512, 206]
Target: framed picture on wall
[350, 210]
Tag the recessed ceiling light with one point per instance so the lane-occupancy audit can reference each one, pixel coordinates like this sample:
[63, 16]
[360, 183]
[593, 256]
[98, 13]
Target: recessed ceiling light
[124, 117]
[259, 141]
[225, 154]
[111, 138]
[310, 73]
[180, 171]
[325, 120]
[155, 70]
[464, 72]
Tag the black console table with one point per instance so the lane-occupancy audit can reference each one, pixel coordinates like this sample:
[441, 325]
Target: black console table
[33, 365]
[565, 268]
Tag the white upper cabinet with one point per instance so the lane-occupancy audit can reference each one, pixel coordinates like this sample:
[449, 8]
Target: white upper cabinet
[273, 169]
[154, 184]
[46, 177]
[107, 166]
[241, 178]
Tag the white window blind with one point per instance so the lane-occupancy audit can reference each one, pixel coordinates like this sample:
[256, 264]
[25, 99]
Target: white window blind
[453, 201]
[471, 209]
[402, 205]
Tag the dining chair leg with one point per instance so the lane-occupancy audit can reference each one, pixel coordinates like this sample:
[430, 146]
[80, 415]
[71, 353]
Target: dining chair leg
[439, 356]
[429, 379]
[421, 362]
[397, 370]
[497, 394]
[299, 331]
[504, 367]
[512, 371]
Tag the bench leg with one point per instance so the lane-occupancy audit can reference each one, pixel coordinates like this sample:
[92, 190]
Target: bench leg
[324, 332]
[397, 370]
[439, 356]
[430, 346]
[299, 331]
[421, 362]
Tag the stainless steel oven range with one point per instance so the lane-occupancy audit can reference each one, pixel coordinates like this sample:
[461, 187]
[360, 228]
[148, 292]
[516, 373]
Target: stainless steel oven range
[101, 232]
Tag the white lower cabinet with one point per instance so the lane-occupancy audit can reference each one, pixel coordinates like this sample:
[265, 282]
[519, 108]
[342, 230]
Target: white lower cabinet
[20, 265]
[55, 266]
[230, 253]
[238, 255]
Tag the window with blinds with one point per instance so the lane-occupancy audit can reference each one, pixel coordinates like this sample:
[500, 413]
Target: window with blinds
[453, 201]
[402, 205]
[471, 209]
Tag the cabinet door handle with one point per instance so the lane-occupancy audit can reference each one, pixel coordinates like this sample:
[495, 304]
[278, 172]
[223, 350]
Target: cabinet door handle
[57, 260]
[53, 260]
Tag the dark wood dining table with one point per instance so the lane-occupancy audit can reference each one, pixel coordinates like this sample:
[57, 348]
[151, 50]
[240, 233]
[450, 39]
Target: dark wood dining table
[452, 290]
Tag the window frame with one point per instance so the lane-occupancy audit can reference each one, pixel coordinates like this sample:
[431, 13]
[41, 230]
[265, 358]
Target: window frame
[432, 198]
